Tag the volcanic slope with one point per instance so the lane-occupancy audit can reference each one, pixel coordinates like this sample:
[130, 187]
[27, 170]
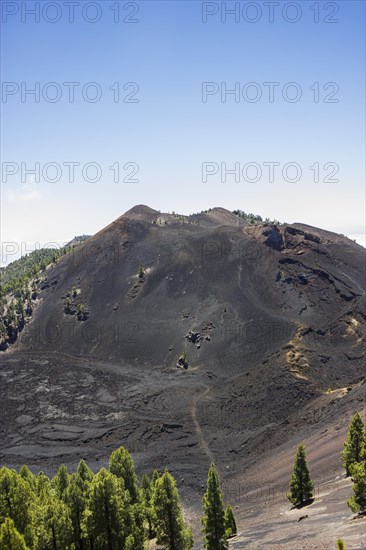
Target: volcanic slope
[271, 318]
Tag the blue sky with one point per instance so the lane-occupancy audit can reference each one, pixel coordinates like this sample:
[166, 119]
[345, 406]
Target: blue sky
[168, 53]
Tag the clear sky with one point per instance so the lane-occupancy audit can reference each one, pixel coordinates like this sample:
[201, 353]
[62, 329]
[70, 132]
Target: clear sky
[158, 55]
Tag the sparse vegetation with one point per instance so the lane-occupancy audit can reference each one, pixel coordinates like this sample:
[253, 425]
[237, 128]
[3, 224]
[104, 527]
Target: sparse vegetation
[72, 303]
[357, 502]
[80, 312]
[67, 307]
[301, 486]
[18, 290]
[141, 271]
[254, 219]
[230, 523]
[353, 446]
[183, 360]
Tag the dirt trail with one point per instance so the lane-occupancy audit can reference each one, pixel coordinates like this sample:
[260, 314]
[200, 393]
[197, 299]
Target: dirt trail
[240, 269]
[201, 438]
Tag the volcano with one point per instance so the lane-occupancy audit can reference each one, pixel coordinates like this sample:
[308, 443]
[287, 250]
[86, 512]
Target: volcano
[269, 317]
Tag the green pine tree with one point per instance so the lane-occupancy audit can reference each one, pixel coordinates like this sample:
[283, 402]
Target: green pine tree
[28, 476]
[43, 486]
[214, 527]
[75, 498]
[341, 544]
[50, 517]
[363, 445]
[106, 516]
[147, 494]
[357, 502]
[10, 538]
[122, 466]
[301, 486]
[230, 523]
[52, 522]
[15, 502]
[155, 477]
[83, 470]
[136, 532]
[354, 443]
[61, 481]
[172, 532]
[146, 487]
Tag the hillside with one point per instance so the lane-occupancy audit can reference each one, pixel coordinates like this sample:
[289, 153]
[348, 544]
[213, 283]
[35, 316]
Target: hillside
[18, 288]
[271, 318]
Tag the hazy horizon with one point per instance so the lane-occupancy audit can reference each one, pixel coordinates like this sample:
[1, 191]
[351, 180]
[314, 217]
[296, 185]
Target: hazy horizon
[182, 106]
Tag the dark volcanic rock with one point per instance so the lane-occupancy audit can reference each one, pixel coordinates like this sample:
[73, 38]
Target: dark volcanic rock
[274, 238]
[193, 336]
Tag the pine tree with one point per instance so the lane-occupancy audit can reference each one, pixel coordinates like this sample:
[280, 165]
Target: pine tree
[363, 445]
[341, 544]
[61, 481]
[28, 476]
[353, 445]
[15, 501]
[84, 471]
[122, 466]
[155, 477]
[357, 502]
[214, 527]
[10, 538]
[172, 532]
[136, 522]
[301, 486]
[146, 487]
[230, 523]
[75, 498]
[50, 516]
[106, 517]
[52, 522]
[42, 485]
[147, 494]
